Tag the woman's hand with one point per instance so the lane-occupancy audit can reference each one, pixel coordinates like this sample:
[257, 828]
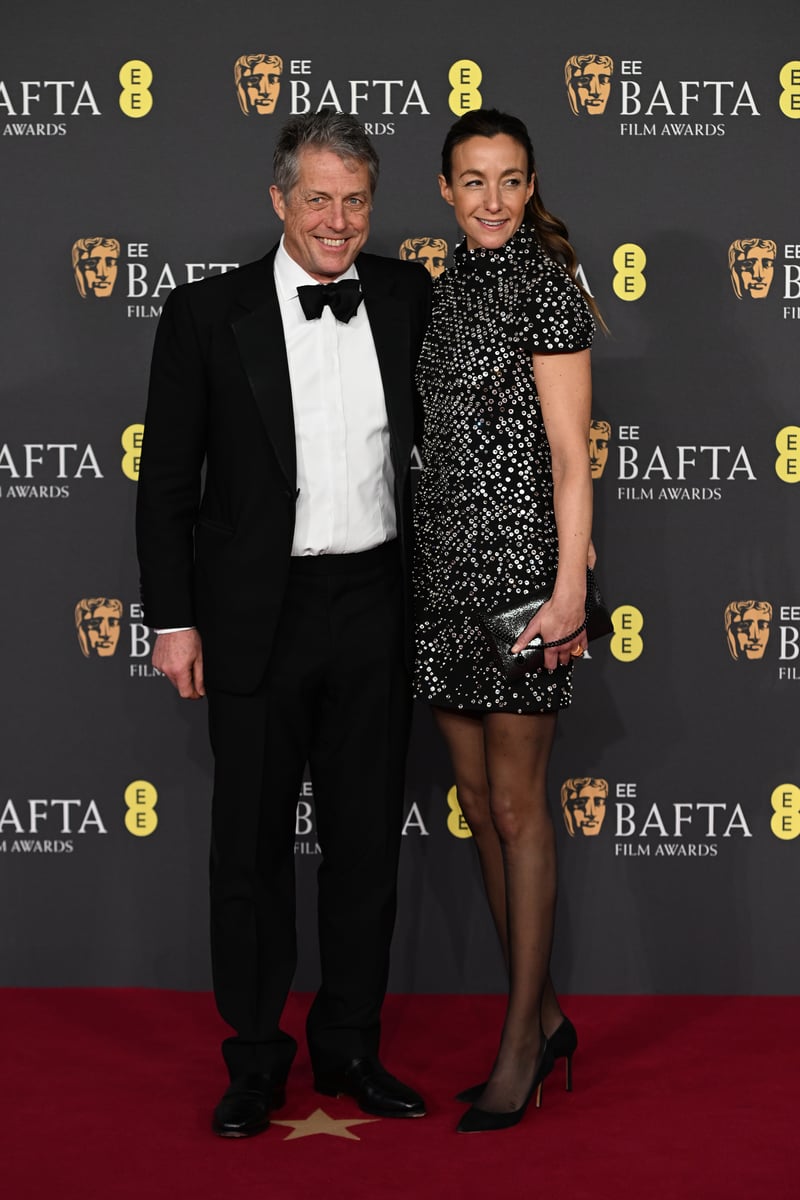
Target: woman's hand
[552, 622]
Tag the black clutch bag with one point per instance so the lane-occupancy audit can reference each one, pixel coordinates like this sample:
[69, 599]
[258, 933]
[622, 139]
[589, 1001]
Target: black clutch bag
[503, 626]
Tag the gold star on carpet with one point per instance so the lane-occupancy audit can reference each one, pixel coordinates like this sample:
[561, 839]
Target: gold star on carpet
[320, 1122]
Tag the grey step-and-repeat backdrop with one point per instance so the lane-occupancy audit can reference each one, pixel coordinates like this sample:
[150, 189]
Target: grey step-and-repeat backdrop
[136, 145]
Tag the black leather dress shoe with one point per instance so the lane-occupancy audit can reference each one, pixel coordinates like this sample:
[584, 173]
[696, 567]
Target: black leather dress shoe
[374, 1089]
[244, 1109]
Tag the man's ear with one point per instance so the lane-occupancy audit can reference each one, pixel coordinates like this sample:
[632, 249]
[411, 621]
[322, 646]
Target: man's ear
[278, 203]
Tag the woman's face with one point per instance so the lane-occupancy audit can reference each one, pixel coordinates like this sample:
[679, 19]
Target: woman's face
[489, 189]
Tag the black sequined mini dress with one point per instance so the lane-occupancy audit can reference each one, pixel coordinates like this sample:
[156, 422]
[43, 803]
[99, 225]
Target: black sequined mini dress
[484, 522]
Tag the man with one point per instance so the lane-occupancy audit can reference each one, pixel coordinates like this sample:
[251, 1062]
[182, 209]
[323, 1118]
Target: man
[588, 80]
[288, 567]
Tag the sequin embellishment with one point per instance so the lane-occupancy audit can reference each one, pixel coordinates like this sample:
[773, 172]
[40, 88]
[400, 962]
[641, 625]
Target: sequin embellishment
[485, 528]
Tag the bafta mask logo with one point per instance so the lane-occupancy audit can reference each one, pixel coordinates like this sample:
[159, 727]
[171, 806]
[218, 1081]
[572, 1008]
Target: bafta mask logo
[98, 622]
[747, 626]
[588, 80]
[599, 437]
[258, 82]
[95, 261]
[583, 803]
[431, 252]
[752, 266]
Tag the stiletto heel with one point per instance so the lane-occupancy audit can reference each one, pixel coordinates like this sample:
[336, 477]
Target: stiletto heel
[562, 1044]
[481, 1120]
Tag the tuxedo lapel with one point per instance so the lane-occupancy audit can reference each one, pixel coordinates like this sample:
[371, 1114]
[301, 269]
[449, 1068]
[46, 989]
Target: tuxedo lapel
[258, 330]
[388, 319]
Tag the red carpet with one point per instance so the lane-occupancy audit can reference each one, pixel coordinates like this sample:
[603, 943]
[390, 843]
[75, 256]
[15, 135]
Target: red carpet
[107, 1096]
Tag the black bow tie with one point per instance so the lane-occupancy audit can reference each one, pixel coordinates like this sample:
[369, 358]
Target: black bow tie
[344, 298]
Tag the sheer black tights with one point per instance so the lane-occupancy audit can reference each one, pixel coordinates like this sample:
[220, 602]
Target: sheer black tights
[500, 765]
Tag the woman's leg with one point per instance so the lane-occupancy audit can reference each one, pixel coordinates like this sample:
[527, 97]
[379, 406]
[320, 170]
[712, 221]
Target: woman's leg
[517, 751]
[463, 734]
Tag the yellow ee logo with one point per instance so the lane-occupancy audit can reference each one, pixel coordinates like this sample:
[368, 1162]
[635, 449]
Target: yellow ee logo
[131, 441]
[465, 77]
[456, 821]
[629, 262]
[790, 96]
[141, 799]
[626, 643]
[135, 99]
[785, 801]
[787, 464]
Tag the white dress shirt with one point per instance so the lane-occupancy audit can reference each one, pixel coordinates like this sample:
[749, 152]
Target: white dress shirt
[345, 478]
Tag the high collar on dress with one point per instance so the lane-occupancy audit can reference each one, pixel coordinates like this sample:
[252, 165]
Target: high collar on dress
[482, 261]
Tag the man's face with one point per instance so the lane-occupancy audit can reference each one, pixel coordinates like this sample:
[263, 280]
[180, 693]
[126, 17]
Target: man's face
[598, 448]
[326, 215]
[755, 272]
[588, 810]
[751, 631]
[261, 87]
[100, 630]
[591, 87]
[99, 270]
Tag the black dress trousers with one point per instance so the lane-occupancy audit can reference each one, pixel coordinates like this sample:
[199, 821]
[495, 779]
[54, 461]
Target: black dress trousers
[336, 696]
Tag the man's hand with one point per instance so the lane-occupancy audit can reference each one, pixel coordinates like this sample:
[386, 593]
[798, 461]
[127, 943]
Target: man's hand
[179, 656]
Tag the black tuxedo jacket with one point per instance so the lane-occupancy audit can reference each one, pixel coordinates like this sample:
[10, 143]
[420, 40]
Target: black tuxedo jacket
[217, 481]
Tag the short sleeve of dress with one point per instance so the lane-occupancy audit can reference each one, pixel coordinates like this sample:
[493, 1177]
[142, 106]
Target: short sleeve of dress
[557, 319]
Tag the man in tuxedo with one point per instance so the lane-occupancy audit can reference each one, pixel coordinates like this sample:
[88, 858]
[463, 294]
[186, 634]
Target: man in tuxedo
[273, 528]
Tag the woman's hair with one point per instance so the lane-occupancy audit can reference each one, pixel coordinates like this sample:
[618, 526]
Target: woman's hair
[552, 232]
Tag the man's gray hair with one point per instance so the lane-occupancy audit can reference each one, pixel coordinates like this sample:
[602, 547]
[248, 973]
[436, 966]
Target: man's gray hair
[338, 132]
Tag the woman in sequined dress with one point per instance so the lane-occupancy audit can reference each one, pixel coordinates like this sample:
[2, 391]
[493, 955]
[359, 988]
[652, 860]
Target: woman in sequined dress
[504, 506]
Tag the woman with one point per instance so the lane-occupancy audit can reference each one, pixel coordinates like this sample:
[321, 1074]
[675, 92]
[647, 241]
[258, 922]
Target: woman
[504, 507]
